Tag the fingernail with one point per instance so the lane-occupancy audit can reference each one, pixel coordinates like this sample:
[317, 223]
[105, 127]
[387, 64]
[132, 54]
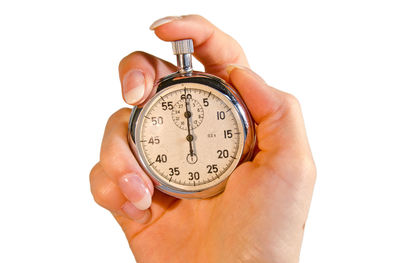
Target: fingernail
[136, 191]
[163, 21]
[134, 214]
[133, 86]
[231, 67]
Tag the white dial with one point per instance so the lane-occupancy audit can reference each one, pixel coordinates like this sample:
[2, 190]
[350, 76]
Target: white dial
[190, 137]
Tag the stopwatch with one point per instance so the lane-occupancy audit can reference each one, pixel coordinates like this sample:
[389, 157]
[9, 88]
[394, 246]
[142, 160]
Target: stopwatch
[192, 134]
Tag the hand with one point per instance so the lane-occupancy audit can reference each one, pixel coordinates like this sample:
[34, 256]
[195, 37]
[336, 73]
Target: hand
[188, 114]
[260, 216]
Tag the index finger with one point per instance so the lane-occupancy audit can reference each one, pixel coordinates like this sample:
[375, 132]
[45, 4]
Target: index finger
[212, 47]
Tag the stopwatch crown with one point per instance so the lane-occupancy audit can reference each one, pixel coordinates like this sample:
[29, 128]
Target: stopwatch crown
[184, 46]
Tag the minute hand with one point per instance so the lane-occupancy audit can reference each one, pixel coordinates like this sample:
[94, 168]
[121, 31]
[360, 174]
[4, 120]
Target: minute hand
[188, 114]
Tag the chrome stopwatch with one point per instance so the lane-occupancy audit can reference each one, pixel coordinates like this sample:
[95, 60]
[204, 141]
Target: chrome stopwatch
[192, 134]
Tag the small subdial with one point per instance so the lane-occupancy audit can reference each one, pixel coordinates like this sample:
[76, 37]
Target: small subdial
[194, 113]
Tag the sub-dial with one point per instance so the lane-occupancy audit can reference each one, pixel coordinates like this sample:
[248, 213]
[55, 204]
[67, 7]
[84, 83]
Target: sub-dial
[194, 113]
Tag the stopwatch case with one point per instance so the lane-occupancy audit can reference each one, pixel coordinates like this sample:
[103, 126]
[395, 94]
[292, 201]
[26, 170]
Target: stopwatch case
[232, 95]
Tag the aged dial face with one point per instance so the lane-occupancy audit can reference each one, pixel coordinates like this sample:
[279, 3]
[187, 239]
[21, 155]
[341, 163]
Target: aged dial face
[190, 137]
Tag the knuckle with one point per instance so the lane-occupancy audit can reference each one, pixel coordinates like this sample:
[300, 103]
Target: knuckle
[194, 16]
[93, 172]
[116, 116]
[112, 164]
[101, 195]
[98, 196]
[136, 54]
[102, 190]
[130, 57]
[117, 164]
[291, 101]
[289, 105]
[306, 170]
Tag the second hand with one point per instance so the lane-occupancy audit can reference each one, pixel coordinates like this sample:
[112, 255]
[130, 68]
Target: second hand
[188, 114]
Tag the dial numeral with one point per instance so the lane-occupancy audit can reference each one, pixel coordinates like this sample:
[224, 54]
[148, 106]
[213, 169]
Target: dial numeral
[157, 120]
[174, 171]
[205, 102]
[167, 105]
[220, 115]
[212, 168]
[188, 96]
[154, 140]
[228, 134]
[194, 176]
[161, 158]
[223, 154]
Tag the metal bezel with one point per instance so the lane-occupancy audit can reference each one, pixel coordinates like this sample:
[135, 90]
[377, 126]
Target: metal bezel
[222, 87]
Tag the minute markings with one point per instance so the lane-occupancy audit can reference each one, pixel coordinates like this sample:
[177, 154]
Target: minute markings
[167, 130]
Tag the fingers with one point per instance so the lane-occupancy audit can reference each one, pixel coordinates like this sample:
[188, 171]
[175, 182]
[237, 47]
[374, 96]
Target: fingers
[105, 192]
[212, 47]
[108, 195]
[120, 165]
[278, 114]
[138, 72]
[161, 204]
[261, 99]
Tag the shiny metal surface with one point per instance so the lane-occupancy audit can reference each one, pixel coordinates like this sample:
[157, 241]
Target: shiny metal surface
[220, 86]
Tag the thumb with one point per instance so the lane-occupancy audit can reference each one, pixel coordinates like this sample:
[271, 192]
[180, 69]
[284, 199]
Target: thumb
[261, 99]
[280, 126]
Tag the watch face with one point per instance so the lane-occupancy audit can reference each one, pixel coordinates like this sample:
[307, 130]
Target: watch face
[190, 137]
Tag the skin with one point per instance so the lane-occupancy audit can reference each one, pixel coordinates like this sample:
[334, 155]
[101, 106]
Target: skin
[260, 217]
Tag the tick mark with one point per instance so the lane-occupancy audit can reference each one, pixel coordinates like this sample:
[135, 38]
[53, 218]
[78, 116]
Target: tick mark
[209, 94]
[151, 164]
[229, 109]
[233, 157]
[147, 117]
[143, 141]
[162, 98]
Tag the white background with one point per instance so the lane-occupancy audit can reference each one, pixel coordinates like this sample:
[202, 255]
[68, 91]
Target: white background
[59, 83]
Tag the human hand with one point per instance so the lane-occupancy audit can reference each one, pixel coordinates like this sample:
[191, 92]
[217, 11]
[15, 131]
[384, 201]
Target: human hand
[261, 214]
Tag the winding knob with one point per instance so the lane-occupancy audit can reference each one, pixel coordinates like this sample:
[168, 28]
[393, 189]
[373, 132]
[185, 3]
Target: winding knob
[184, 46]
